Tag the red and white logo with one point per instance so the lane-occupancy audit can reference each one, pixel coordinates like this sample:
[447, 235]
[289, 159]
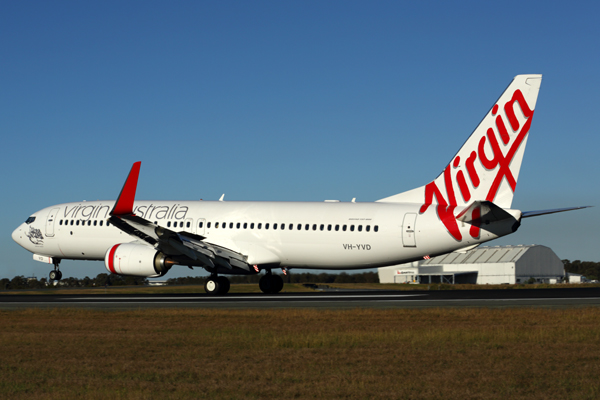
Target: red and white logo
[486, 163]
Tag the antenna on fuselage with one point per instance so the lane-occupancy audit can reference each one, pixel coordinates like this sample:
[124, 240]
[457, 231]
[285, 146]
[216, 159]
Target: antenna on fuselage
[222, 197]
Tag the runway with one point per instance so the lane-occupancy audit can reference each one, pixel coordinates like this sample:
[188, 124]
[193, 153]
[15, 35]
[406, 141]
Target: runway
[339, 299]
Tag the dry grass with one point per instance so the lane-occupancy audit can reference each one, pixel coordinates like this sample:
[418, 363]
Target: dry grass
[520, 353]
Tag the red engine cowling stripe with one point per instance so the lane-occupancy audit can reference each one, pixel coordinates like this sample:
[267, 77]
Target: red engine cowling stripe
[111, 258]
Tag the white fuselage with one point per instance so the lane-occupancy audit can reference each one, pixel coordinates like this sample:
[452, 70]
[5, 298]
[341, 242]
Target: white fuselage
[328, 235]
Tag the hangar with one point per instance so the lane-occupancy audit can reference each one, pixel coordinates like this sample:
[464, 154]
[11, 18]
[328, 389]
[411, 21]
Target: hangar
[483, 265]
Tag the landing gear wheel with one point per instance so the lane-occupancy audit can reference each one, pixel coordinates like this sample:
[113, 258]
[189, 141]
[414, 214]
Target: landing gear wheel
[270, 284]
[223, 285]
[55, 275]
[211, 286]
[277, 283]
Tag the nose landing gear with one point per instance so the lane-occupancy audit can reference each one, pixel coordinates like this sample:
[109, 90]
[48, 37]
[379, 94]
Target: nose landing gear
[55, 274]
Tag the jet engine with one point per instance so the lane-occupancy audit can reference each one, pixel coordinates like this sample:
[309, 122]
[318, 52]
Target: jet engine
[136, 260]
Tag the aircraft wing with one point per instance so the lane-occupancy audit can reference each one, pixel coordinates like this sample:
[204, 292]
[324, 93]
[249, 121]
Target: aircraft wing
[170, 242]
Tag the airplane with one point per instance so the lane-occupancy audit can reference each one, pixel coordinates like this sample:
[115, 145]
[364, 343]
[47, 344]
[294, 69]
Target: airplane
[466, 205]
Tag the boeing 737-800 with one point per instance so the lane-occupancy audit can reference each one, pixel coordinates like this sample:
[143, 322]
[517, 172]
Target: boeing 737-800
[466, 205]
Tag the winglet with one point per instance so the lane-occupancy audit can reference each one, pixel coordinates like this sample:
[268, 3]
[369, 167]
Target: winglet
[124, 204]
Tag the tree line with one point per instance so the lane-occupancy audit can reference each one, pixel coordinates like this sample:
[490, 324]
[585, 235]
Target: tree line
[305, 277]
[21, 282]
[589, 269]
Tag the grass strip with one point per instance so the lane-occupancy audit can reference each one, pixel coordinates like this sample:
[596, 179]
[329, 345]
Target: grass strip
[517, 353]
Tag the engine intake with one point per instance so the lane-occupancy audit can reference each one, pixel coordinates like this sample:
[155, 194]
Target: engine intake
[136, 260]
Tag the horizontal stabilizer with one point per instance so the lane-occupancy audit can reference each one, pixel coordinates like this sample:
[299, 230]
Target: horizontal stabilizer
[528, 214]
[483, 211]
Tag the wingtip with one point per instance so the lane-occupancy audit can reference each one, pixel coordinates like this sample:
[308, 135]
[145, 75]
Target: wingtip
[124, 203]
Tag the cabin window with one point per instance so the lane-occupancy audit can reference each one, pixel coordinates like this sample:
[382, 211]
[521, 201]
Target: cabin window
[376, 228]
[322, 227]
[237, 225]
[89, 223]
[329, 227]
[291, 226]
[368, 228]
[187, 225]
[245, 225]
[77, 223]
[306, 227]
[282, 226]
[252, 225]
[95, 223]
[200, 224]
[274, 226]
[337, 228]
[360, 228]
[169, 224]
[259, 225]
[208, 224]
[351, 228]
[299, 227]
[216, 224]
[267, 226]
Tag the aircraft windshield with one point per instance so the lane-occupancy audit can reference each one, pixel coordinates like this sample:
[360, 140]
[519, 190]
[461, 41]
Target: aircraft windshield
[30, 220]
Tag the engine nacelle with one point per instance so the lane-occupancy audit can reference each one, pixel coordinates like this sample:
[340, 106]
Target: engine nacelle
[136, 260]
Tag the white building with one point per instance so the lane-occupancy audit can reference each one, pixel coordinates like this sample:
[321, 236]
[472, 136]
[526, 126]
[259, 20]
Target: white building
[484, 265]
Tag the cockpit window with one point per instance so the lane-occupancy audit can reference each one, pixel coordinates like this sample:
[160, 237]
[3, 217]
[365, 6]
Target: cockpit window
[30, 220]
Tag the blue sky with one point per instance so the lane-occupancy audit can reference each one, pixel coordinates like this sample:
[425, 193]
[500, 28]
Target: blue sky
[296, 100]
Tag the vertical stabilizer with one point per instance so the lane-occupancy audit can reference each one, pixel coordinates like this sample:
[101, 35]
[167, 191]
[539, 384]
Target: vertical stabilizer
[487, 166]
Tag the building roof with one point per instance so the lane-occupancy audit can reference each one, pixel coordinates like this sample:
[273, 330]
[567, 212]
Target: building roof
[482, 255]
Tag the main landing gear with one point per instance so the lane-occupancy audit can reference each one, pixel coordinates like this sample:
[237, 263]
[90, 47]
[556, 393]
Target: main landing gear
[55, 274]
[218, 285]
[270, 284]
[215, 285]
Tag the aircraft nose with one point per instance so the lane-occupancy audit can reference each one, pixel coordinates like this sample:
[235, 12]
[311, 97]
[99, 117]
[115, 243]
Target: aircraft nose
[17, 234]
